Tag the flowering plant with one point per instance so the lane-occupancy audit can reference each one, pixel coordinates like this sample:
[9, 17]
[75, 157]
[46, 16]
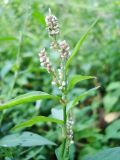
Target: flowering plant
[61, 80]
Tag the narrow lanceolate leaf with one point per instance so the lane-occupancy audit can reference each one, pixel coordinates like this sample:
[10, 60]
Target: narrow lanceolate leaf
[78, 45]
[37, 119]
[25, 98]
[25, 139]
[77, 78]
[75, 101]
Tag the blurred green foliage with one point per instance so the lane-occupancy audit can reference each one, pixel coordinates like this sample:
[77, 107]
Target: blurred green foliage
[22, 34]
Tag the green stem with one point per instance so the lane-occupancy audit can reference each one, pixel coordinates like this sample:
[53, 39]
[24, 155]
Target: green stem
[64, 119]
[64, 112]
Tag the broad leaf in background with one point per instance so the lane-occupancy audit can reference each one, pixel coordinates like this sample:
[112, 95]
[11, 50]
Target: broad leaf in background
[113, 86]
[108, 154]
[57, 113]
[112, 97]
[37, 119]
[26, 139]
[77, 78]
[75, 101]
[29, 97]
[77, 47]
[113, 130]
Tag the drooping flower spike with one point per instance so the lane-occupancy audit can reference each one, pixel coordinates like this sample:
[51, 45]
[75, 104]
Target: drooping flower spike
[44, 60]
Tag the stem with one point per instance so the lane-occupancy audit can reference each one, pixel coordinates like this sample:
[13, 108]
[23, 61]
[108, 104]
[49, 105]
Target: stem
[64, 110]
[64, 119]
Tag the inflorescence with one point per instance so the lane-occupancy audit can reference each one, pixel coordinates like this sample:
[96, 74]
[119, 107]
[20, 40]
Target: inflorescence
[62, 48]
[70, 123]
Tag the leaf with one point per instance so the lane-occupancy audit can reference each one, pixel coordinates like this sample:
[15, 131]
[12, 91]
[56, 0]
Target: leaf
[68, 155]
[108, 154]
[113, 130]
[79, 44]
[77, 78]
[75, 101]
[57, 113]
[7, 39]
[113, 86]
[37, 119]
[58, 152]
[26, 139]
[61, 152]
[29, 97]
[109, 101]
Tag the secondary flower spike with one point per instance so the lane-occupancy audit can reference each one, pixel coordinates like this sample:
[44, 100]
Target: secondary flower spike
[52, 24]
[69, 129]
[64, 49]
[44, 60]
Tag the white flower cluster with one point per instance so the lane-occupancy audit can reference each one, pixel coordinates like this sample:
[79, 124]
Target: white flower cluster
[60, 81]
[64, 49]
[44, 60]
[52, 24]
[54, 82]
[69, 130]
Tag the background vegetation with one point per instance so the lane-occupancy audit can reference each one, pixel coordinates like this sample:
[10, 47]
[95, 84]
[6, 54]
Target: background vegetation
[22, 34]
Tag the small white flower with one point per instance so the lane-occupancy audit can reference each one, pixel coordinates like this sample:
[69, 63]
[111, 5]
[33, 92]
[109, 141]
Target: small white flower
[47, 60]
[41, 59]
[63, 83]
[53, 83]
[71, 142]
[60, 87]
[42, 64]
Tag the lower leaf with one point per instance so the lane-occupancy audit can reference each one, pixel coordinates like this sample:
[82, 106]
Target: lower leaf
[108, 154]
[26, 139]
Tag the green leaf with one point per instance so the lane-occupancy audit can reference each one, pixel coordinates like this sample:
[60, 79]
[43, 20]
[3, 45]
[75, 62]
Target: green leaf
[79, 44]
[57, 113]
[113, 86]
[58, 152]
[77, 78]
[75, 101]
[26, 139]
[7, 39]
[108, 154]
[61, 152]
[109, 101]
[37, 119]
[113, 130]
[29, 97]
[68, 154]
